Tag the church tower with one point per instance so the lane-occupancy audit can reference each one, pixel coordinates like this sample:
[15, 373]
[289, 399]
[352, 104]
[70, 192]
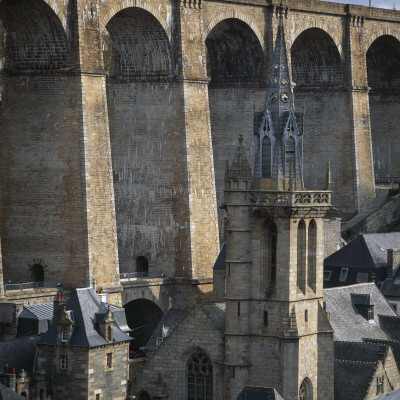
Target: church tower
[276, 331]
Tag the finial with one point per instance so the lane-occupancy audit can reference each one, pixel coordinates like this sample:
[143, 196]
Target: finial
[280, 9]
[291, 177]
[328, 183]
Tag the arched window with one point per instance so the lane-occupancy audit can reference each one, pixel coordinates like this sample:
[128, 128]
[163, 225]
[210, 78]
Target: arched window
[266, 158]
[290, 156]
[142, 266]
[37, 272]
[312, 255]
[301, 256]
[268, 252]
[306, 390]
[199, 377]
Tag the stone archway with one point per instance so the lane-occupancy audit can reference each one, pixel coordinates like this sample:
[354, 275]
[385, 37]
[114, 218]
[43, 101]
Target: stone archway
[383, 71]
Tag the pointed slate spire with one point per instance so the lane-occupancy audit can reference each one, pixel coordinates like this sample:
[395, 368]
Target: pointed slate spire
[279, 97]
[240, 167]
[278, 142]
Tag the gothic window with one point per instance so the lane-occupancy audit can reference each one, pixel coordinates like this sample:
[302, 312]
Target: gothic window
[306, 390]
[290, 156]
[312, 255]
[301, 256]
[109, 360]
[268, 252]
[380, 382]
[266, 158]
[199, 377]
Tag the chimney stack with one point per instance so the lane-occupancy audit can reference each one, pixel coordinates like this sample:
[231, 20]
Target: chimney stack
[393, 261]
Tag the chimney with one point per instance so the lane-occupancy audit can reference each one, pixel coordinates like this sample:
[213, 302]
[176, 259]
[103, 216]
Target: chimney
[393, 261]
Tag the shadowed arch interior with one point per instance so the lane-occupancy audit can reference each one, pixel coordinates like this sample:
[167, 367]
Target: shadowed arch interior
[234, 53]
[36, 38]
[316, 59]
[383, 71]
[142, 316]
[140, 46]
[383, 63]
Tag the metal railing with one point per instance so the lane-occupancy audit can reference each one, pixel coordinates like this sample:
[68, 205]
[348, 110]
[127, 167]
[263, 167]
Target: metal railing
[29, 285]
[132, 276]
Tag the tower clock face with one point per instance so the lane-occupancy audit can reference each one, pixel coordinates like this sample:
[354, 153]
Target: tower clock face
[285, 97]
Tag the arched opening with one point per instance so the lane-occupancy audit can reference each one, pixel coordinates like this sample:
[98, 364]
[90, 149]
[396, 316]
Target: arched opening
[142, 316]
[41, 395]
[312, 255]
[383, 69]
[269, 240]
[266, 158]
[142, 266]
[301, 256]
[37, 272]
[317, 70]
[147, 129]
[23, 394]
[237, 68]
[199, 372]
[306, 390]
[143, 396]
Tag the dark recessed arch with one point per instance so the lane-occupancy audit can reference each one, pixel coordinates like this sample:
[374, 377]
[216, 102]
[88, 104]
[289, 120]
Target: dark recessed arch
[383, 63]
[138, 45]
[316, 59]
[142, 316]
[36, 38]
[234, 53]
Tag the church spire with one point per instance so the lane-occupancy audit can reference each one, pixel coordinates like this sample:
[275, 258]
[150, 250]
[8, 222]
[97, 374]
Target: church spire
[278, 136]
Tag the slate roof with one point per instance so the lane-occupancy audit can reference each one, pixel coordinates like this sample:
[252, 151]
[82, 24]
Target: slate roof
[85, 304]
[171, 319]
[259, 393]
[8, 394]
[347, 323]
[19, 353]
[38, 311]
[391, 286]
[240, 167]
[216, 311]
[352, 379]
[220, 261]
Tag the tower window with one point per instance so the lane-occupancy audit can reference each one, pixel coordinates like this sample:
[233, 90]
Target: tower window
[290, 156]
[63, 361]
[142, 266]
[109, 360]
[266, 158]
[109, 333]
[380, 381]
[265, 318]
[306, 315]
[38, 272]
[238, 310]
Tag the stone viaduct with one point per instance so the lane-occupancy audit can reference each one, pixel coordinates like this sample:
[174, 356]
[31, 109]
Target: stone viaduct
[117, 117]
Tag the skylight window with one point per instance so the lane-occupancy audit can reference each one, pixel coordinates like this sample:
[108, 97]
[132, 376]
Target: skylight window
[327, 275]
[343, 275]
[362, 277]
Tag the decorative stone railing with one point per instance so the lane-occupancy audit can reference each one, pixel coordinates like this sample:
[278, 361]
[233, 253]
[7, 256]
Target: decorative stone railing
[293, 199]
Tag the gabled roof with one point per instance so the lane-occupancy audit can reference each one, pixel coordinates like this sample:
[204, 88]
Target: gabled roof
[85, 304]
[8, 394]
[366, 251]
[395, 395]
[216, 312]
[19, 353]
[259, 393]
[240, 167]
[37, 311]
[347, 322]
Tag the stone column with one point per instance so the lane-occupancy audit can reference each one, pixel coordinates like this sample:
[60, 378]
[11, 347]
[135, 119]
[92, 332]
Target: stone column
[198, 145]
[360, 127]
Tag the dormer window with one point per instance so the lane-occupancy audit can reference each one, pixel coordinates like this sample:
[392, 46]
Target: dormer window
[370, 313]
[64, 335]
[343, 275]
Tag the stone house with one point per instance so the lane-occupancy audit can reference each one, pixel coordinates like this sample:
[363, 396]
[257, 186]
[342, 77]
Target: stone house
[84, 354]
